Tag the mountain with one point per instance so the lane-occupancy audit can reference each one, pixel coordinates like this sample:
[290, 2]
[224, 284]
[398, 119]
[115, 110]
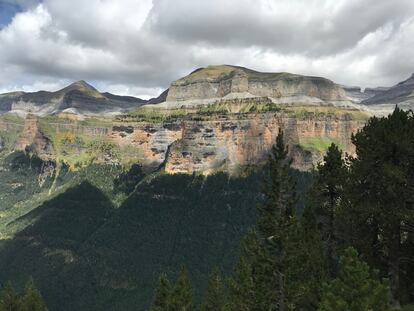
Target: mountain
[79, 97]
[95, 208]
[401, 93]
[355, 93]
[225, 81]
[219, 118]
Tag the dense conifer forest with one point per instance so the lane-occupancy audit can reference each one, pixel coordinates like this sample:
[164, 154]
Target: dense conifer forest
[351, 248]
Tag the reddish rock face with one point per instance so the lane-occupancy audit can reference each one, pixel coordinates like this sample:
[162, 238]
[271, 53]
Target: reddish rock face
[207, 146]
[231, 144]
[33, 140]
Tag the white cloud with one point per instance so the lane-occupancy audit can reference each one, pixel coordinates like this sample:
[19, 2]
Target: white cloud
[138, 47]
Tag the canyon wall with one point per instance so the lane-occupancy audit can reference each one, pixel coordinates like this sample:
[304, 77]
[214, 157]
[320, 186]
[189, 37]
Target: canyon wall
[187, 146]
[226, 144]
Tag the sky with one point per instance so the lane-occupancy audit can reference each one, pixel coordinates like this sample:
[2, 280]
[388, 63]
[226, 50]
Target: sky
[137, 47]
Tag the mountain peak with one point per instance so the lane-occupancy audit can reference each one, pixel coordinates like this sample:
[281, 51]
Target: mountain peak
[82, 85]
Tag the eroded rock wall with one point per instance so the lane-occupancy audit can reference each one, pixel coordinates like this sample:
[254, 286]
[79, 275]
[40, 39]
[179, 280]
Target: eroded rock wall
[207, 146]
[231, 144]
[264, 85]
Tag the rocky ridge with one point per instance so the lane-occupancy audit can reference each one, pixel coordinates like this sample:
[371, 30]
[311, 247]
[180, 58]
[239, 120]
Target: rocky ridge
[216, 118]
[401, 93]
[79, 97]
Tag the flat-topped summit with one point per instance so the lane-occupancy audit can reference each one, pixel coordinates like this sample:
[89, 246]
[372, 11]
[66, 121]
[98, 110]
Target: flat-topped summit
[224, 80]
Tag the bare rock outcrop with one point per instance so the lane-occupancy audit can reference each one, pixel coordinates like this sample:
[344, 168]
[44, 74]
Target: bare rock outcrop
[33, 140]
[221, 81]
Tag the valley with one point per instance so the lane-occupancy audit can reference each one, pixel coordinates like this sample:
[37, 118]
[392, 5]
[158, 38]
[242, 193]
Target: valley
[101, 193]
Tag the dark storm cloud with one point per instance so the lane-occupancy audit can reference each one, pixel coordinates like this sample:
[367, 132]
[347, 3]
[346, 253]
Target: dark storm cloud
[138, 47]
[295, 26]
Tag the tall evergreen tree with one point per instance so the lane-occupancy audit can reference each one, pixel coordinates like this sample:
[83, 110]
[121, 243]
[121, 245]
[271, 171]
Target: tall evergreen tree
[306, 268]
[244, 286]
[32, 300]
[355, 288]
[276, 216]
[215, 297]
[182, 296]
[382, 176]
[9, 299]
[162, 295]
[326, 195]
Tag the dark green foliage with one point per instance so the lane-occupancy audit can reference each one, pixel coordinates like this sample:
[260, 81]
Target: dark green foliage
[32, 300]
[243, 291]
[282, 265]
[276, 219]
[306, 267]
[355, 288]
[327, 194]
[215, 296]
[162, 294]
[381, 193]
[19, 179]
[50, 249]
[9, 299]
[126, 181]
[181, 298]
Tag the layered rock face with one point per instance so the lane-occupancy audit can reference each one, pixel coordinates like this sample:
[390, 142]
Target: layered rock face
[33, 140]
[208, 146]
[232, 144]
[220, 81]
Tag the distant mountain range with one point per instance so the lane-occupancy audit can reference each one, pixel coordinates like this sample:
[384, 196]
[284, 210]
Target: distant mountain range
[401, 93]
[207, 85]
[79, 97]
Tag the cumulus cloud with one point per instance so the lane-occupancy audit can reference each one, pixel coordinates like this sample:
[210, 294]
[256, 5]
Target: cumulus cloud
[138, 47]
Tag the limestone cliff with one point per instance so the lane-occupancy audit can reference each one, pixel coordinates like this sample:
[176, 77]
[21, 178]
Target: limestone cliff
[229, 143]
[221, 81]
[33, 140]
[192, 144]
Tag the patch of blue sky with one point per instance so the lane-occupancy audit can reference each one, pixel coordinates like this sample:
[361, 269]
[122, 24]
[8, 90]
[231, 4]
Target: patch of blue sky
[8, 10]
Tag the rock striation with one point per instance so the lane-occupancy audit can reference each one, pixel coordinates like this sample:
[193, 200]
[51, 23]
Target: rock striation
[220, 81]
[231, 144]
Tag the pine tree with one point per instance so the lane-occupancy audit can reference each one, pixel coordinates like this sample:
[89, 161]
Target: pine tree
[215, 297]
[162, 296]
[382, 192]
[355, 288]
[326, 196]
[32, 300]
[244, 285]
[9, 300]
[276, 217]
[306, 268]
[182, 296]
